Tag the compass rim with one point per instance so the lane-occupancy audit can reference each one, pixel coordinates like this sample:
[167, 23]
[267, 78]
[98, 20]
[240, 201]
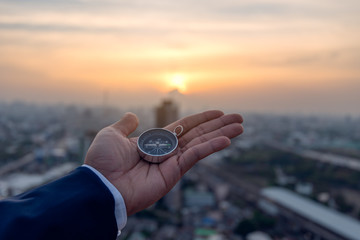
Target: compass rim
[157, 129]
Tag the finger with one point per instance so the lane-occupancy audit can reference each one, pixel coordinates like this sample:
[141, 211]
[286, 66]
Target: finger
[173, 168]
[210, 126]
[194, 120]
[229, 131]
[198, 152]
[127, 124]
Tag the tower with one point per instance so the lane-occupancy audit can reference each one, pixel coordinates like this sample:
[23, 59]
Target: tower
[166, 113]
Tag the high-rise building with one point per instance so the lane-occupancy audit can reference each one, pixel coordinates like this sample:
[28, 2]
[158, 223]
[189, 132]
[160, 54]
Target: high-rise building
[166, 113]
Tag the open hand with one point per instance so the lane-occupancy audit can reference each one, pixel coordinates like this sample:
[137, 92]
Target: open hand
[142, 183]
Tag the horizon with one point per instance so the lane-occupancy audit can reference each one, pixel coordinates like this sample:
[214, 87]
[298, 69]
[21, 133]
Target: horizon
[184, 110]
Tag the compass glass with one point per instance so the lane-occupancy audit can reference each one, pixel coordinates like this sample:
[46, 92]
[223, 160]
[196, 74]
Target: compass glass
[157, 142]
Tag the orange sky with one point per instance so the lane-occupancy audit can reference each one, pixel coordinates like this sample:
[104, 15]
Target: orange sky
[276, 55]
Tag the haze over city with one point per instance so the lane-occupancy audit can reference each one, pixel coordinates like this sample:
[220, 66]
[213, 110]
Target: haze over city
[70, 68]
[260, 56]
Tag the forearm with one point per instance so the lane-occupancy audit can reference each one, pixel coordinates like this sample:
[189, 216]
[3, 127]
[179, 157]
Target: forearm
[77, 206]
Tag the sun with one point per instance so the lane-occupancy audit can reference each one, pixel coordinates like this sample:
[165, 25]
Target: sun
[178, 81]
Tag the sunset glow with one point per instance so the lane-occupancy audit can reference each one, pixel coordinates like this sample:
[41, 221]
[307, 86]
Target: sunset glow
[263, 56]
[177, 81]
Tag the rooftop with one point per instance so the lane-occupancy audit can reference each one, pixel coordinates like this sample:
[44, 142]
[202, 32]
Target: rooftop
[335, 221]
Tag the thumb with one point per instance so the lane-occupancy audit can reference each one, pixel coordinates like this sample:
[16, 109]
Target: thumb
[127, 124]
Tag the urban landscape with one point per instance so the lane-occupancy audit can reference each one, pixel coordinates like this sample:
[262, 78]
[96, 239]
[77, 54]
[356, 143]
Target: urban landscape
[68, 69]
[287, 177]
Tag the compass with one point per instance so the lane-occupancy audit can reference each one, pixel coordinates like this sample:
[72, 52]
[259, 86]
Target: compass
[157, 144]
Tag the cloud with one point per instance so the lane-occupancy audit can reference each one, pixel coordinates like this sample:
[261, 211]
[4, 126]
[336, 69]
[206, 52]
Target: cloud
[219, 44]
[160, 15]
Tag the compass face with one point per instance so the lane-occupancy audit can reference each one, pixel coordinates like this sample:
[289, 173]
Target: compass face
[157, 142]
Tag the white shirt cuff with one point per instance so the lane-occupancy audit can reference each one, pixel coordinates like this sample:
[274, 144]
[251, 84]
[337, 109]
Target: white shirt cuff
[120, 208]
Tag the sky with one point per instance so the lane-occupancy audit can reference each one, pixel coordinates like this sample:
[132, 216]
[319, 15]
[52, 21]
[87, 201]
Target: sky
[274, 56]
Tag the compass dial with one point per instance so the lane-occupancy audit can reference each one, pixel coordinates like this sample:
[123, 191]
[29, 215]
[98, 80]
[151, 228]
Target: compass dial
[156, 143]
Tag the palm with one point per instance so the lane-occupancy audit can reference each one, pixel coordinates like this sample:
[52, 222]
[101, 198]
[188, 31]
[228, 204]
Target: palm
[142, 183]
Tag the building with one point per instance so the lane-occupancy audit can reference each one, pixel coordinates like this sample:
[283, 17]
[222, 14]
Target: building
[319, 219]
[166, 113]
[199, 199]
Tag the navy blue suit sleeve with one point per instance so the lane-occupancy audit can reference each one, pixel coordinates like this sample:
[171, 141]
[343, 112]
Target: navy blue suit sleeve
[77, 206]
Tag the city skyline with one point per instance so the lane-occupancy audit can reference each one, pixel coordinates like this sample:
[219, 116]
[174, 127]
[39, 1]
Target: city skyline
[261, 56]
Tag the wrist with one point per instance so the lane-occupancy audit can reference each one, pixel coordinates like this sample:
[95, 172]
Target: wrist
[120, 207]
